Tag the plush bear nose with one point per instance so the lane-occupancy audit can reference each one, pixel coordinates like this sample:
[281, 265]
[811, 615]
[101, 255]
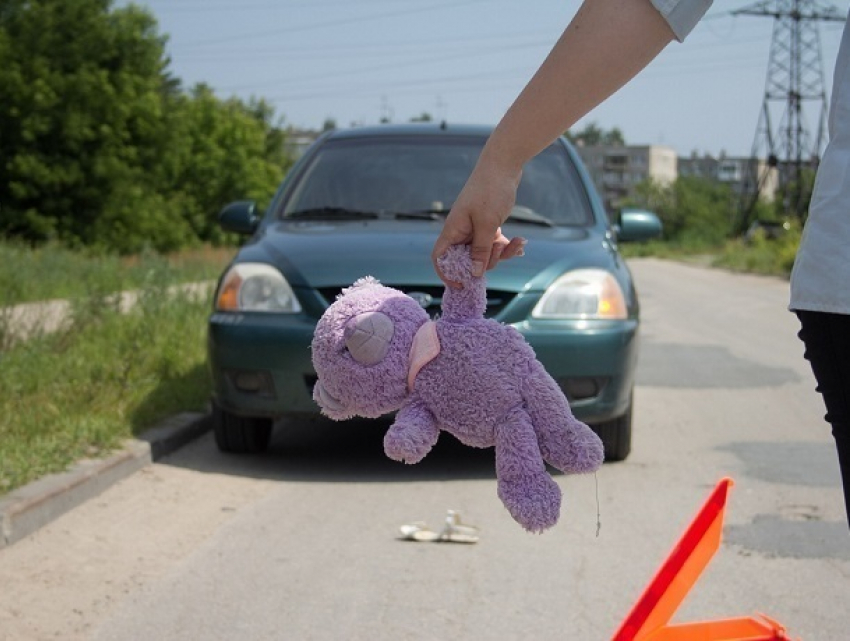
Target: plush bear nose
[368, 336]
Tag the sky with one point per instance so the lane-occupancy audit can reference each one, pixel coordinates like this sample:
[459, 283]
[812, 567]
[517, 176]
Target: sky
[358, 61]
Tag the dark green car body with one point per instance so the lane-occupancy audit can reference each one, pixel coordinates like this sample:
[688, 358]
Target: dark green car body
[261, 363]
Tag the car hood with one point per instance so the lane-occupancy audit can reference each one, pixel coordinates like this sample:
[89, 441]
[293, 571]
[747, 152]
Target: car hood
[335, 254]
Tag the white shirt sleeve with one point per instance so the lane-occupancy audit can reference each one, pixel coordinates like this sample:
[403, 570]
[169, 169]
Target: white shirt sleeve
[682, 15]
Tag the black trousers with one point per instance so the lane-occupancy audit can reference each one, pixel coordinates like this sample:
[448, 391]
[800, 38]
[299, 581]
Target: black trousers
[827, 340]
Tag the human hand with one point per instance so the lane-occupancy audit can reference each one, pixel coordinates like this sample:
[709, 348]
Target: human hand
[475, 219]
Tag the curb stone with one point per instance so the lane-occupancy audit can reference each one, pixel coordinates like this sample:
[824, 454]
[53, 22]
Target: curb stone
[28, 508]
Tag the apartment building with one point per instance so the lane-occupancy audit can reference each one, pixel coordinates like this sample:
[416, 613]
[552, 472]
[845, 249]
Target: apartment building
[739, 172]
[616, 169]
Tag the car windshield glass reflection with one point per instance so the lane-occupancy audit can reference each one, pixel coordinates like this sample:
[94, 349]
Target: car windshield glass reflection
[413, 179]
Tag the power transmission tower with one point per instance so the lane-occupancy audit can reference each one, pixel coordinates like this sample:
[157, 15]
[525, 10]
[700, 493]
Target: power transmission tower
[794, 78]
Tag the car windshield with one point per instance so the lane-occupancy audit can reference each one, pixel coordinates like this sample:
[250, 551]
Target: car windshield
[420, 177]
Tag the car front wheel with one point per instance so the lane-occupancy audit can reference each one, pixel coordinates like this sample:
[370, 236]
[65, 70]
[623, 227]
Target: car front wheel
[616, 436]
[240, 434]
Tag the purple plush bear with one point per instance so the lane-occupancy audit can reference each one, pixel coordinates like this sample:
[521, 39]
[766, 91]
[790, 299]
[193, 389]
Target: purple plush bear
[376, 351]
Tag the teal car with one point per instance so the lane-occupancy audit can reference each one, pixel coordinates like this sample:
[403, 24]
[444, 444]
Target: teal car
[371, 201]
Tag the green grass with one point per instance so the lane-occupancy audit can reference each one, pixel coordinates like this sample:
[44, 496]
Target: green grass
[106, 377]
[758, 255]
[53, 271]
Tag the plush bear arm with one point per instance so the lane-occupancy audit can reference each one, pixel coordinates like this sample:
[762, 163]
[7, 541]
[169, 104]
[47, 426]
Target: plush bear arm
[413, 433]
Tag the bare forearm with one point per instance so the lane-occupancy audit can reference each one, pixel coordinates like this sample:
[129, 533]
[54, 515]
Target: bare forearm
[606, 44]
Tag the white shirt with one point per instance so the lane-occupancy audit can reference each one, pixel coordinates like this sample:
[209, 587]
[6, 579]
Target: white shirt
[682, 15]
[820, 280]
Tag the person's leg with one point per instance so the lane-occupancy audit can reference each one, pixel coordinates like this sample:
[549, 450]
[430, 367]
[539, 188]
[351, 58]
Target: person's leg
[827, 341]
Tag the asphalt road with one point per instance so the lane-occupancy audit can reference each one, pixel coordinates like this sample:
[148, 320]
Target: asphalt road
[301, 543]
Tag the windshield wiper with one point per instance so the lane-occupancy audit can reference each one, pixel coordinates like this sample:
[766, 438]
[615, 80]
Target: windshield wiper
[436, 213]
[528, 216]
[334, 213]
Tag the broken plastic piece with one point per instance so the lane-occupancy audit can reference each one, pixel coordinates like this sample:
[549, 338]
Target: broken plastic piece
[453, 531]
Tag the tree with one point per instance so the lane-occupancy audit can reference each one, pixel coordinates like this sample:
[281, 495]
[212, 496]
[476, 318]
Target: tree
[613, 137]
[228, 151]
[81, 121]
[592, 135]
[99, 144]
[80, 118]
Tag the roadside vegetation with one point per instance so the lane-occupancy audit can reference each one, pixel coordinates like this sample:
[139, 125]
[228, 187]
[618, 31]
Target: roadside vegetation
[761, 254]
[106, 375]
[53, 271]
[703, 223]
[112, 176]
[758, 254]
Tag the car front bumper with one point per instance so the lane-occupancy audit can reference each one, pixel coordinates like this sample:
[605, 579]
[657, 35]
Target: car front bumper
[261, 363]
[593, 362]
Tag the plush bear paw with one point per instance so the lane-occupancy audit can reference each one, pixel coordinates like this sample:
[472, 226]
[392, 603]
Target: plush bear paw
[405, 448]
[579, 452]
[534, 500]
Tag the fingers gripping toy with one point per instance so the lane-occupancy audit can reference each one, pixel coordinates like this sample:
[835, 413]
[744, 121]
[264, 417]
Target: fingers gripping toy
[376, 351]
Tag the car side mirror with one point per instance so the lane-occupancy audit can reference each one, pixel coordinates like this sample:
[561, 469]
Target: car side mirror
[239, 217]
[638, 224]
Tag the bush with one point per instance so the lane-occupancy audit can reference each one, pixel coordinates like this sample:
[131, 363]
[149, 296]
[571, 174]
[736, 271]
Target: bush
[761, 254]
[699, 217]
[696, 213]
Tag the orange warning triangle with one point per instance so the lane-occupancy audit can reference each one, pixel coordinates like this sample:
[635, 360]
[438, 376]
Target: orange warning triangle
[649, 619]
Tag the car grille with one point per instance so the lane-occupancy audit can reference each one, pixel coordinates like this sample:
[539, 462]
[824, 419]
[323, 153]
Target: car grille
[432, 297]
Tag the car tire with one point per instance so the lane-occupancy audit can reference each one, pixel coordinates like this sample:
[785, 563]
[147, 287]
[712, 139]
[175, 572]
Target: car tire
[616, 436]
[240, 434]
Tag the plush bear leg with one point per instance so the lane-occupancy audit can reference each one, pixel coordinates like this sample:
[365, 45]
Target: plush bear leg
[565, 442]
[526, 489]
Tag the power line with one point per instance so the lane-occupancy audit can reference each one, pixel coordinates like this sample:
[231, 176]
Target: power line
[330, 23]
[396, 64]
[203, 6]
[375, 48]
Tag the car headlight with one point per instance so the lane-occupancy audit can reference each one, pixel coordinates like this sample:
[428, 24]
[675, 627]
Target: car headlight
[583, 294]
[255, 287]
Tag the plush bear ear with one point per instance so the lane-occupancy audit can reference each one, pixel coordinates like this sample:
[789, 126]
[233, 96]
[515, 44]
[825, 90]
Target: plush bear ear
[366, 281]
[368, 336]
